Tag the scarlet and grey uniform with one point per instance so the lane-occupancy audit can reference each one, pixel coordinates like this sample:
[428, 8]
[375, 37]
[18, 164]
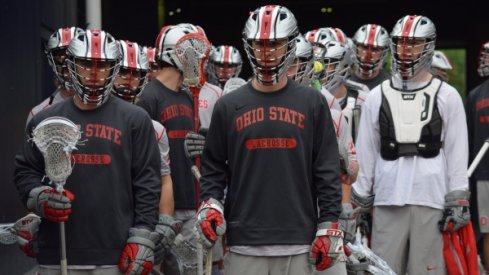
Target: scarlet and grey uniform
[410, 189]
[116, 182]
[277, 154]
[56, 97]
[174, 110]
[208, 96]
[477, 109]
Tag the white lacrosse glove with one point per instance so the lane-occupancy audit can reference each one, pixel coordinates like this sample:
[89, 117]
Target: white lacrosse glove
[327, 248]
[456, 214]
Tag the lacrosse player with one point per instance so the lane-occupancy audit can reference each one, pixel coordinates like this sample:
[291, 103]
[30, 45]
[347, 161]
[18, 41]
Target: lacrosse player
[271, 142]
[412, 151]
[477, 112]
[110, 204]
[56, 54]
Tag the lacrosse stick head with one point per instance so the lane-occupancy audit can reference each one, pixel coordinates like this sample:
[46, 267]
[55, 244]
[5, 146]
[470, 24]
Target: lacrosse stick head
[56, 138]
[6, 234]
[192, 50]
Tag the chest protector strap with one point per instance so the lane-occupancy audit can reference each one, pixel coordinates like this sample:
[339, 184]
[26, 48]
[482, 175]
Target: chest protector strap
[410, 123]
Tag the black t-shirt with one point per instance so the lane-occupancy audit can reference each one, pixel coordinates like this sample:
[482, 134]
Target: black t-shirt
[278, 155]
[174, 110]
[116, 181]
[477, 110]
[371, 83]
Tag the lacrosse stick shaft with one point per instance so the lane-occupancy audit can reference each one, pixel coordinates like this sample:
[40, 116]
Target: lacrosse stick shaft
[63, 262]
[195, 95]
[208, 262]
[200, 259]
[478, 158]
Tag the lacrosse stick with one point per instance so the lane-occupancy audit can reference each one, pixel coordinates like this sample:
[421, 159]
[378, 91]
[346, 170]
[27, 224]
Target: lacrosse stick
[478, 158]
[10, 231]
[56, 138]
[192, 50]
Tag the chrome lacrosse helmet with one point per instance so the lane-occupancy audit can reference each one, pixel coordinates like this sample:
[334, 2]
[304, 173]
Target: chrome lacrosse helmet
[132, 75]
[412, 45]
[168, 38]
[440, 65]
[93, 59]
[483, 68]
[225, 62]
[269, 31]
[55, 51]
[301, 69]
[153, 64]
[371, 43]
[336, 58]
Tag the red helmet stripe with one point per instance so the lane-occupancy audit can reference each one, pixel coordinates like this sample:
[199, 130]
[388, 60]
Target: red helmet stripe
[266, 22]
[408, 25]
[96, 43]
[150, 52]
[372, 34]
[311, 36]
[131, 55]
[340, 36]
[65, 37]
[227, 55]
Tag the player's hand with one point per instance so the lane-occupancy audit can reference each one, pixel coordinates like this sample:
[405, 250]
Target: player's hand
[49, 204]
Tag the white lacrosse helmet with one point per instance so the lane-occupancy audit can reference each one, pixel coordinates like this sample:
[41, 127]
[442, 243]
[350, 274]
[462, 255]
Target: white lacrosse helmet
[338, 35]
[55, 51]
[94, 49]
[336, 58]
[371, 45]
[303, 64]
[483, 68]
[412, 45]
[133, 72]
[270, 24]
[225, 62]
[168, 38]
[233, 84]
[440, 65]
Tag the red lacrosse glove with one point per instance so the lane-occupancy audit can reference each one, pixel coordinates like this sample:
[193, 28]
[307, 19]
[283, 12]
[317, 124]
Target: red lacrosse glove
[25, 229]
[210, 222]
[49, 204]
[138, 256]
[327, 248]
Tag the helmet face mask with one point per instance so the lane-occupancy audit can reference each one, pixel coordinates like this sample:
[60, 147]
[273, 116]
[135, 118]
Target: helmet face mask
[269, 42]
[55, 50]
[336, 58]
[371, 43]
[225, 62]
[483, 68]
[301, 70]
[132, 75]
[93, 62]
[412, 45]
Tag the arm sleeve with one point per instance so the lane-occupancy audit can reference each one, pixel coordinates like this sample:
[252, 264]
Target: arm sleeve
[469, 113]
[146, 181]
[368, 148]
[214, 158]
[326, 165]
[345, 139]
[455, 142]
[29, 166]
[164, 147]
